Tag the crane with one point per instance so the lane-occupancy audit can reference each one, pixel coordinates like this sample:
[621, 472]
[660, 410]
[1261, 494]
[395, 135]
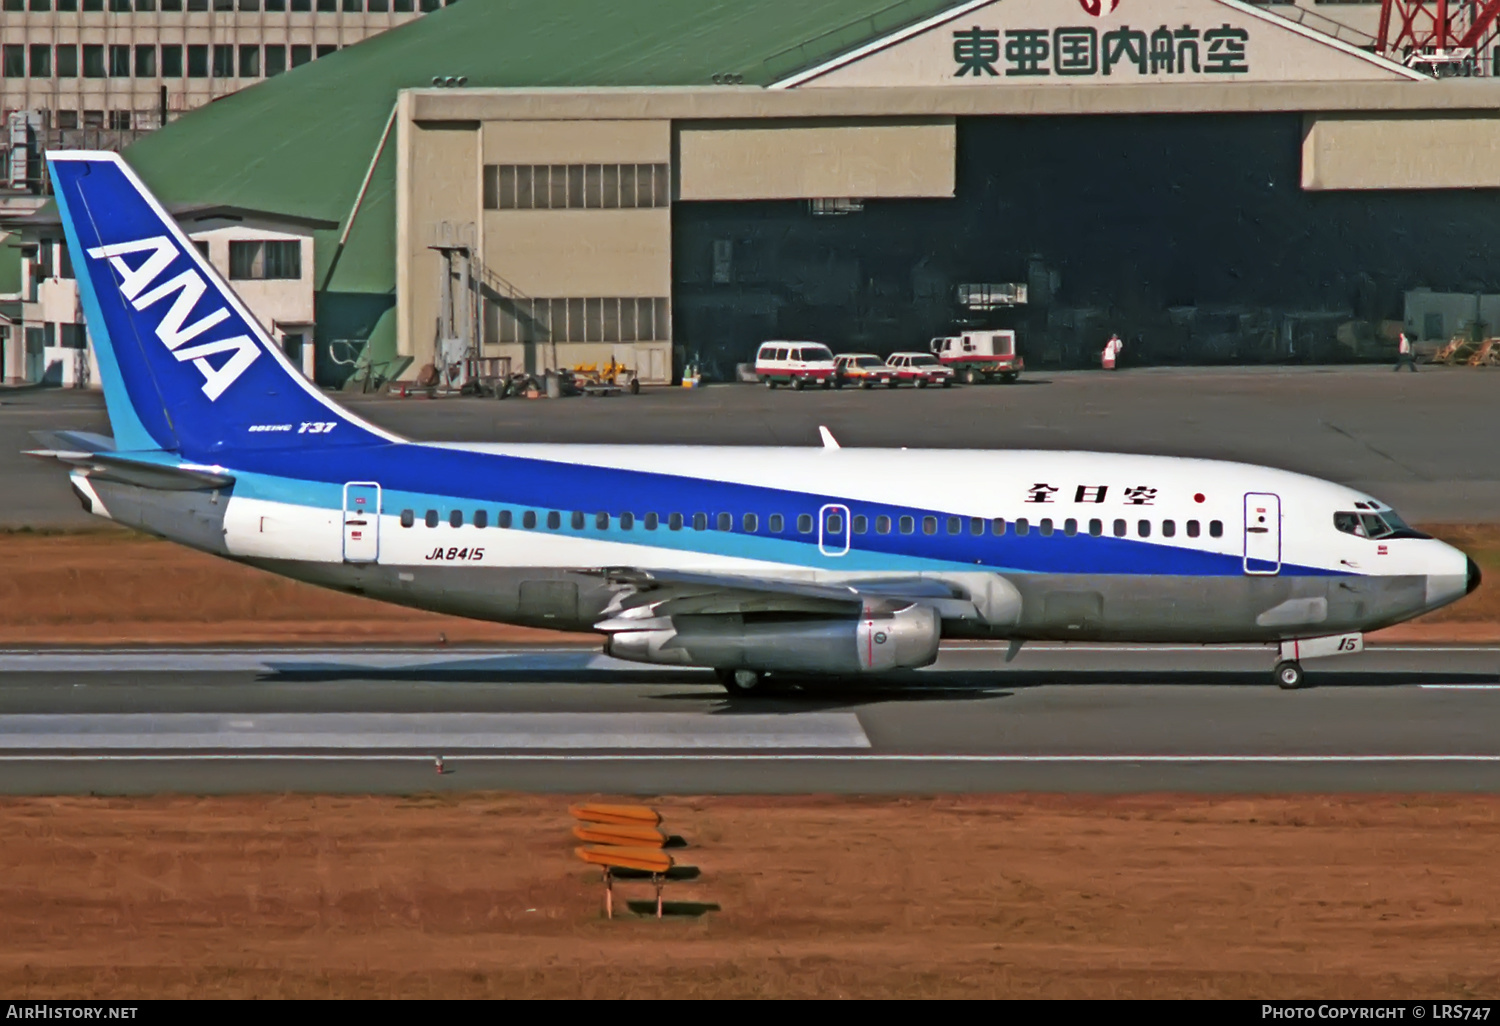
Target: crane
[1440, 33]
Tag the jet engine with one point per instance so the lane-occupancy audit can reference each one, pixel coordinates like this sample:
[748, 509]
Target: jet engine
[904, 639]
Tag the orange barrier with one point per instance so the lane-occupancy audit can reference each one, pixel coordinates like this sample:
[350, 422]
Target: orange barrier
[649, 860]
[627, 834]
[615, 814]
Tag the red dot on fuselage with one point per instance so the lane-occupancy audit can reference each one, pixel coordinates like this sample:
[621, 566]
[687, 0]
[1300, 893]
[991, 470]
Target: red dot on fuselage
[1198, 497]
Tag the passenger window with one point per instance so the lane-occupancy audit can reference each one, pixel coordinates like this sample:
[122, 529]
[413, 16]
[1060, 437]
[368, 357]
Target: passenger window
[601, 521]
[456, 518]
[700, 521]
[408, 517]
[528, 519]
[861, 524]
[481, 518]
[781, 354]
[908, 525]
[834, 524]
[674, 521]
[651, 521]
[804, 523]
[1192, 528]
[955, 525]
[929, 525]
[1096, 528]
[1121, 528]
[432, 518]
[882, 525]
[1168, 528]
[726, 522]
[997, 526]
[554, 520]
[976, 525]
[751, 522]
[1070, 527]
[775, 523]
[502, 519]
[627, 521]
[1045, 526]
[576, 520]
[1023, 527]
[1216, 528]
[1143, 528]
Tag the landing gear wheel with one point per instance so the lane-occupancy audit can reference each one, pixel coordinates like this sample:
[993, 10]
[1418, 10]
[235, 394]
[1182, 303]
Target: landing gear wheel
[1289, 675]
[743, 682]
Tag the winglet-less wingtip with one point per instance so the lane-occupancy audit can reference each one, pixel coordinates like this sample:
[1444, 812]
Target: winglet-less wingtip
[829, 442]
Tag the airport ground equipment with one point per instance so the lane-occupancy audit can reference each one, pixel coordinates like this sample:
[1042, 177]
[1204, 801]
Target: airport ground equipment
[797, 364]
[623, 837]
[865, 370]
[977, 356]
[920, 369]
[1469, 352]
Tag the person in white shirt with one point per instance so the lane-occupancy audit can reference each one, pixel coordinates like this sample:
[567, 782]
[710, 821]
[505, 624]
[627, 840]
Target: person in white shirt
[1404, 355]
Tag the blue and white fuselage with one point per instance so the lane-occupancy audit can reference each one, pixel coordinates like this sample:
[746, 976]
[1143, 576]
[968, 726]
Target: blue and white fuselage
[748, 560]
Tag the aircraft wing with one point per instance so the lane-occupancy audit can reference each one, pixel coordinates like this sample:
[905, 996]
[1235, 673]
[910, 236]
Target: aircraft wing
[677, 593]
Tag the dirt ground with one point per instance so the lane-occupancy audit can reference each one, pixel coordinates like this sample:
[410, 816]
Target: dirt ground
[115, 587]
[990, 896]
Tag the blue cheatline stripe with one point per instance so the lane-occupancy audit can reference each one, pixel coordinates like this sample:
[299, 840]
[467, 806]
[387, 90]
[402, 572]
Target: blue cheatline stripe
[129, 432]
[495, 481]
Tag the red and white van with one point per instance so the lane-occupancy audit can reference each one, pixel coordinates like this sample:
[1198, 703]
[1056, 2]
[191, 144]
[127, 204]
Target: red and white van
[798, 364]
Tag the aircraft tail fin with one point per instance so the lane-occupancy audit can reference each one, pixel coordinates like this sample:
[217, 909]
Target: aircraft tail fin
[185, 366]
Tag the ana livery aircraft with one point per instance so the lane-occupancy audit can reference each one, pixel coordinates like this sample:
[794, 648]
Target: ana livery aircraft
[751, 561]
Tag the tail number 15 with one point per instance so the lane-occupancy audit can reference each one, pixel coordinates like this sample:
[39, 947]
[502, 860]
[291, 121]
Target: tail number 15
[316, 427]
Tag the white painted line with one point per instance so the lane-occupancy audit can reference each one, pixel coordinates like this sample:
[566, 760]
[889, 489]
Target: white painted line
[157, 732]
[753, 757]
[1460, 687]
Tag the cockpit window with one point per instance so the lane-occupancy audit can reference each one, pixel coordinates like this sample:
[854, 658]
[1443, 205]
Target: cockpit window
[1383, 525]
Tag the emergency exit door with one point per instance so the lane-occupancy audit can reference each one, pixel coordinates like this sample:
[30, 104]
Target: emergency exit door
[1262, 533]
[361, 522]
[833, 530]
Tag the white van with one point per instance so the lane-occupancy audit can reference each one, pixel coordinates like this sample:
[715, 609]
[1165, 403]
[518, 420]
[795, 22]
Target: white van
[797, 364]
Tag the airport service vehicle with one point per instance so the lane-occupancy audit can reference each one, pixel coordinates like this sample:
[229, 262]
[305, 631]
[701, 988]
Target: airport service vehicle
[977, 356]
[865, 370]
[921, 369]
[820, 562]
[798, 364]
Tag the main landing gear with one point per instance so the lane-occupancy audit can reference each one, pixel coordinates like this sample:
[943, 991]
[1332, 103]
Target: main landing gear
[742, 683]
[1288, 672]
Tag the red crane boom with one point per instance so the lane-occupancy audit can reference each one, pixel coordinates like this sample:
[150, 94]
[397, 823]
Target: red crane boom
[1440, 28]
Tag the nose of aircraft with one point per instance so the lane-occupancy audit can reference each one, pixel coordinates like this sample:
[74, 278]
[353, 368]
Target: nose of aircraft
[1474, 577]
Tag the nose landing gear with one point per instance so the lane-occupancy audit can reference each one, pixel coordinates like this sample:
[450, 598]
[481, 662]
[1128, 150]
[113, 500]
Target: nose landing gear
[1288, 672]
[1289, 675]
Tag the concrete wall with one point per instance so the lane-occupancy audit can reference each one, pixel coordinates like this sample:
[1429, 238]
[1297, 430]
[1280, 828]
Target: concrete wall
[816, 158]
[1392, 151]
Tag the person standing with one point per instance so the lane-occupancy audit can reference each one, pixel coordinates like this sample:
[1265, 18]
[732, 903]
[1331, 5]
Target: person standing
[1109, 359]
[1404, 355]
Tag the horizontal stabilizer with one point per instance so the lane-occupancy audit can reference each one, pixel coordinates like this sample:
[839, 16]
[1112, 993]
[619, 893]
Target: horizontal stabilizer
[160, 476]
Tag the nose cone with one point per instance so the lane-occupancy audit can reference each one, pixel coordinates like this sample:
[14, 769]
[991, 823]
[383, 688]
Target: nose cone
[1474, 577]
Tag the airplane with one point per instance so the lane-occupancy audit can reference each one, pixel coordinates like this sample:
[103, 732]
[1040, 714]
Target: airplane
[762, 564]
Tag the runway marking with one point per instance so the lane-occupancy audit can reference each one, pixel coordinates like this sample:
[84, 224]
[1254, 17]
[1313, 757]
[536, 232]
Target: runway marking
[156, 732]
[1460, 687]
[751, 757]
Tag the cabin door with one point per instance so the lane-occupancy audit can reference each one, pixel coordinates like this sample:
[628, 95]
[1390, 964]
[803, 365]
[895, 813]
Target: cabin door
[361, 522]
[833, 530]
[1262, 533]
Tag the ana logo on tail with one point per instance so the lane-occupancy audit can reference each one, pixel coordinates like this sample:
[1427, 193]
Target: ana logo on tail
[173, 330]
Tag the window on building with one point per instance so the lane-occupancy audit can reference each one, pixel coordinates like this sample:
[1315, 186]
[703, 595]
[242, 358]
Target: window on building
[171, 62]
[275, 60]
[377, 6]
[93, 5]
[197, 61]
[72, 336]
[223, 60]
[250, 5]
[13, 60]
[588, 319]
[430, 5]
[171, 5]
[223, 5]
[119, 61]
[67, 61]
[401, 6]
[201, 245]
[265, 260]
[93, 61]
[41, 60]
[146, 6]
[276, 6]
[324, 49]
[119, 120]
[67, 119]
[249, 61]
[120, 6]
[301, 55]
[574, 186]
[328, 6]
[93, 119]
[353, 6]
[145, 62]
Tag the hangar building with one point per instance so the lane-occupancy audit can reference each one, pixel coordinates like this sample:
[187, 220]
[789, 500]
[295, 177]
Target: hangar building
[668, 182]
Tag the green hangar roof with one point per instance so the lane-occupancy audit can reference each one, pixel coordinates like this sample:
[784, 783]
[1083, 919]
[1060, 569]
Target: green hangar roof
[300, 143]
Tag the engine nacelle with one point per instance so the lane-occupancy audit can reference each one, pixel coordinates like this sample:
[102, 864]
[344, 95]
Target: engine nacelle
[905, 639]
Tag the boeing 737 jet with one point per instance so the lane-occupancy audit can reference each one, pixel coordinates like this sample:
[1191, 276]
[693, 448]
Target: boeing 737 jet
[755, 562]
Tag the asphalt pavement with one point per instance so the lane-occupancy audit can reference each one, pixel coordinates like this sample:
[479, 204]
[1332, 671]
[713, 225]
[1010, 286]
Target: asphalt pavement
[554, 719]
